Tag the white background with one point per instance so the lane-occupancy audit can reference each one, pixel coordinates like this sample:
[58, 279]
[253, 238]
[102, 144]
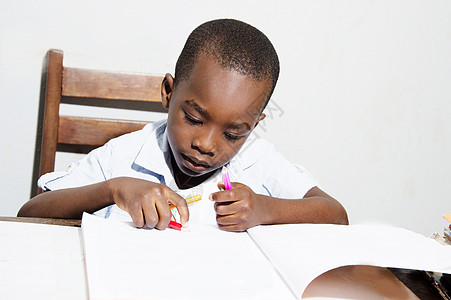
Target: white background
[364, 94]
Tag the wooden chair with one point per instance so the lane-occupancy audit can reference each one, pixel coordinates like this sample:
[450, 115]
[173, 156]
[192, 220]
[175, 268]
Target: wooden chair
[60, 84]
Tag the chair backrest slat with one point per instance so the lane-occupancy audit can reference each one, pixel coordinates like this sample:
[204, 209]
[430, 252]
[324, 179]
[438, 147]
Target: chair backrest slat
[93, 131]
[110, 85]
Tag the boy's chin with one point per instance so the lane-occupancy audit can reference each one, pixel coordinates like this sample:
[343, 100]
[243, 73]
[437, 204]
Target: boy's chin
[193, 169]
[194, 173]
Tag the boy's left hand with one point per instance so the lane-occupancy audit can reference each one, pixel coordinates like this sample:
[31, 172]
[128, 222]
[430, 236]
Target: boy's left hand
[239, 208]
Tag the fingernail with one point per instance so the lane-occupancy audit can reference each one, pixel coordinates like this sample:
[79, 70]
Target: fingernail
[210, 197]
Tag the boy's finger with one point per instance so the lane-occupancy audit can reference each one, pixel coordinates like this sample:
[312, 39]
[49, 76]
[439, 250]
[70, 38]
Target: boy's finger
[234, 228]
[150, 215]
[231, 223]
[234, 185]
[182, 207]
[137, 217]
[224, 208]
[221, 185]
[219, 197]
[164, 215]
[227, 220]
[224, 196]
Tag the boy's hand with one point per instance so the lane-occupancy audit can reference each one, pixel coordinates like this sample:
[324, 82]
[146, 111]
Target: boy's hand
[239, 208]
[147, 202]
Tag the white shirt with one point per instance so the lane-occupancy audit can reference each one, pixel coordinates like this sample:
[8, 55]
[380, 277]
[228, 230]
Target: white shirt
[145, 154]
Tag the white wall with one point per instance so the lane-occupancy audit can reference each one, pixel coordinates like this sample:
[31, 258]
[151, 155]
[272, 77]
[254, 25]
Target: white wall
[364, 88]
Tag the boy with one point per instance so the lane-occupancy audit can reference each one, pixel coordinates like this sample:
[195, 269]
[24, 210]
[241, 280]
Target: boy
[223, 80]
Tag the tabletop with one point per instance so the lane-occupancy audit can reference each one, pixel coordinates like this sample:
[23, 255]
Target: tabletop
[368, 281]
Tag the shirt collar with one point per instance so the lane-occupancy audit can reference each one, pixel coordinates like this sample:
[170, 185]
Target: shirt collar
[154, 155]
[251, 152]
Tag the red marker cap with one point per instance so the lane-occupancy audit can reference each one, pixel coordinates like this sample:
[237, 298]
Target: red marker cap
[175, 225]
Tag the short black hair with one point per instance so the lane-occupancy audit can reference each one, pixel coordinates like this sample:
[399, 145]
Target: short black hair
[236, 46]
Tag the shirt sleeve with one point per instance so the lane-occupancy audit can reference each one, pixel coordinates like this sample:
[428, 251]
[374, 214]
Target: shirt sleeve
[284, 179]
[270, 173]
[93, 168]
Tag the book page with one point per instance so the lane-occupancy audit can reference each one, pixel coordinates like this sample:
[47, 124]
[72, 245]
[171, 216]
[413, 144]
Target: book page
[39, 261]
[301, 252]
[123, 262]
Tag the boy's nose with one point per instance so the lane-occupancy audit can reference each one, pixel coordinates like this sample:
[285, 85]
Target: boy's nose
[205, 143]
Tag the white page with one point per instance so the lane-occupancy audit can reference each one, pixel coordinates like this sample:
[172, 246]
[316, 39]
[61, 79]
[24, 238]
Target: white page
[40, 261]
[301, 252]
[124, 262]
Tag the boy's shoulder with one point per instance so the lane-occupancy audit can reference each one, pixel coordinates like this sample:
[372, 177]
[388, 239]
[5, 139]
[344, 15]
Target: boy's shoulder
[254, 150]
[267, 171]
[152, 130]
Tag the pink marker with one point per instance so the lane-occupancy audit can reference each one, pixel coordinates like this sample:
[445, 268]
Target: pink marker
[226, 178]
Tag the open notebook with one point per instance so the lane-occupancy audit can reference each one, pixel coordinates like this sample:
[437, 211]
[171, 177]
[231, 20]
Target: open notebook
[266, 262]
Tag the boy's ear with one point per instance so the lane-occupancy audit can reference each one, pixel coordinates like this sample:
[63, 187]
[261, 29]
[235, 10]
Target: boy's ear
[260, 118]
[167, 87]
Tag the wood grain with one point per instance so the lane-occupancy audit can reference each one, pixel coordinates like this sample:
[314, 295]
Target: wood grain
[52, 72]
[111, 85]
[93, 131]
[50, 221]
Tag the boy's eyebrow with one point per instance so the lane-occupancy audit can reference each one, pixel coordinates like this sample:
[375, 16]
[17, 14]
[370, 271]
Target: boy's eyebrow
[237, 126]
[197, 108]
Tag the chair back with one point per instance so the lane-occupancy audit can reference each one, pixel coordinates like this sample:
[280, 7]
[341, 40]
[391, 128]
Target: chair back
[61, 84]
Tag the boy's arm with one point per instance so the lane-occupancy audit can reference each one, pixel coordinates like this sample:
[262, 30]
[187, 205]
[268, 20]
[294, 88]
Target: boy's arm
[146, 202]
[68, 203]
[240, 208]
[316, 207]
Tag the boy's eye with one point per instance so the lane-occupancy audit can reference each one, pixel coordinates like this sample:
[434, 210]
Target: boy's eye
[232, 137]
[191, 119]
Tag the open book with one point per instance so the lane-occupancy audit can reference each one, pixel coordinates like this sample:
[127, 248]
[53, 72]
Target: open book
[266, 262]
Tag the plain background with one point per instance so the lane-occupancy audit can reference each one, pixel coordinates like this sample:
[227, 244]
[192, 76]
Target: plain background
[363, 100]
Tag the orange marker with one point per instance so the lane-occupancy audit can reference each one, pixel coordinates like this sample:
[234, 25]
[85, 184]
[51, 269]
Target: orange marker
[189, 200]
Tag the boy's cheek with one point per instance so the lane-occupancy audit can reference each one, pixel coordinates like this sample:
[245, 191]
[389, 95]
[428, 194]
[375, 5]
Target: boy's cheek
[227, 152]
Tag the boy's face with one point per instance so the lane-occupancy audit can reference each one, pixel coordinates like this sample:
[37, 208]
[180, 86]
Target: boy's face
[211, 114]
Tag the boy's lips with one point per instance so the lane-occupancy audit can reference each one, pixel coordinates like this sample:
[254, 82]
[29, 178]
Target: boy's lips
[194, 163]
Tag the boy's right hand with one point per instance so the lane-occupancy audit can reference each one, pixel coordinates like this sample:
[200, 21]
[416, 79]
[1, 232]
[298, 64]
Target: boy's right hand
[147, 202]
